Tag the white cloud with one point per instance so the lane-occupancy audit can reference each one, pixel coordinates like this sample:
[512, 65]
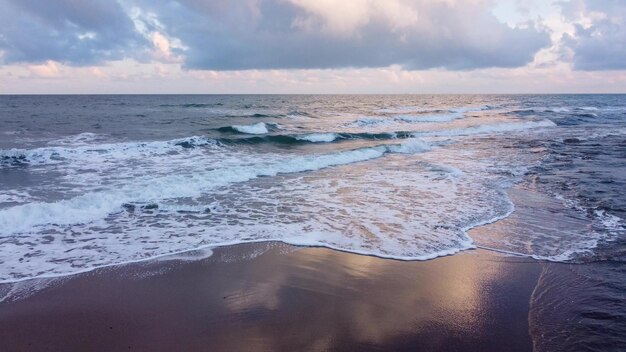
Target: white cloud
[598, 41]
[345, 18]
[163, 48]
[48, 70]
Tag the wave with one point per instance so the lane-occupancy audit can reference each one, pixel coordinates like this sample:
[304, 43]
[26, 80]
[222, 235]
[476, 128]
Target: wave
[290, 114]
[97, 205]
[418, 109]
[366, 122]
[316, 137]
[255, 115]
[614, 132]
[488, 129]
[538, 110]
[430, 118]
[471, 109]
[124, 150]
[583, 111]
[420, 115]
[411, 146]
[373, 122]
[130, 150]
[586, 114]
[298, 114]
[191, 105]
[557, 109]
[257, 128]
[411, 109]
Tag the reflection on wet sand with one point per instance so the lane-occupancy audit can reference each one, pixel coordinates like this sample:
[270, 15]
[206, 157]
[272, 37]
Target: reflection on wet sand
[381, 299]
[281, 298]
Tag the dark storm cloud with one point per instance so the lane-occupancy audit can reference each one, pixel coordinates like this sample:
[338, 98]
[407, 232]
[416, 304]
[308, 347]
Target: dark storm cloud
[272, 34]
[71, 31]
[602, 45]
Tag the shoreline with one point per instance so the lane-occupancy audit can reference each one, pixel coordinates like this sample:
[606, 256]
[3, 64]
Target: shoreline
[477, 229]
[213, 247]
[274, 296]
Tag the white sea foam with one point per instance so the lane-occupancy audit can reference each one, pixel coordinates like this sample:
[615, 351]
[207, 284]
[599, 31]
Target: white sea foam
[489, 128]
[550, 228]
[317, 137]
[97, 205]
[418, 215]
[611, 223]
[430, 118]
[410, 146]
[94, 205]
[89, 216]
[94, 152]
[257, 128]
[419, 115]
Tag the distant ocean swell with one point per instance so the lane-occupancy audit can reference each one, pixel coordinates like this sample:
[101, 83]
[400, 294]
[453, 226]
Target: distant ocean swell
[128, 150]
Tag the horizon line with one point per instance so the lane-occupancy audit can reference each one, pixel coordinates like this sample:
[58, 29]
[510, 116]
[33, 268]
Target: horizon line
[303, 94]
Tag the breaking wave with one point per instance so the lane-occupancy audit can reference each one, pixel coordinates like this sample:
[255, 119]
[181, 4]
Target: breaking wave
[99, 204]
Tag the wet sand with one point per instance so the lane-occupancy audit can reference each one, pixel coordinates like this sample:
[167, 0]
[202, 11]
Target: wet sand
[275, 297]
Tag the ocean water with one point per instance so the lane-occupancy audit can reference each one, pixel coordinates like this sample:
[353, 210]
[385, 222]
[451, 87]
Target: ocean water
[91, 181]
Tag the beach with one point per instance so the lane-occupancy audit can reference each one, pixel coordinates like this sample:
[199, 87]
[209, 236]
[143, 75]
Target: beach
[305, 175]
[276, 297]
[339, 222]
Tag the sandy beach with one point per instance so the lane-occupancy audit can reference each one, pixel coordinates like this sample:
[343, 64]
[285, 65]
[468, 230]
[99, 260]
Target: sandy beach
[306, 175]
[271, 296]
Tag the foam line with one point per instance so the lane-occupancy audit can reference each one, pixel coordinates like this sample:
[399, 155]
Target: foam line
[97, 205]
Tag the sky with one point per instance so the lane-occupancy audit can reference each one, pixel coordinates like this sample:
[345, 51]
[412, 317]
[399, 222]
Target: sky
[312, 46]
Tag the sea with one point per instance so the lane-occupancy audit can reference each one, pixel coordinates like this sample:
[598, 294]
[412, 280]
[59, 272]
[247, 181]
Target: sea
[89, 181]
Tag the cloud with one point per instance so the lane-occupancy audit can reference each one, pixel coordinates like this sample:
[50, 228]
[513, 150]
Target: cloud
[267, 34]
[48, 70]
[345, 18]
[280, 34]
[71, 31]
[599, 40]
